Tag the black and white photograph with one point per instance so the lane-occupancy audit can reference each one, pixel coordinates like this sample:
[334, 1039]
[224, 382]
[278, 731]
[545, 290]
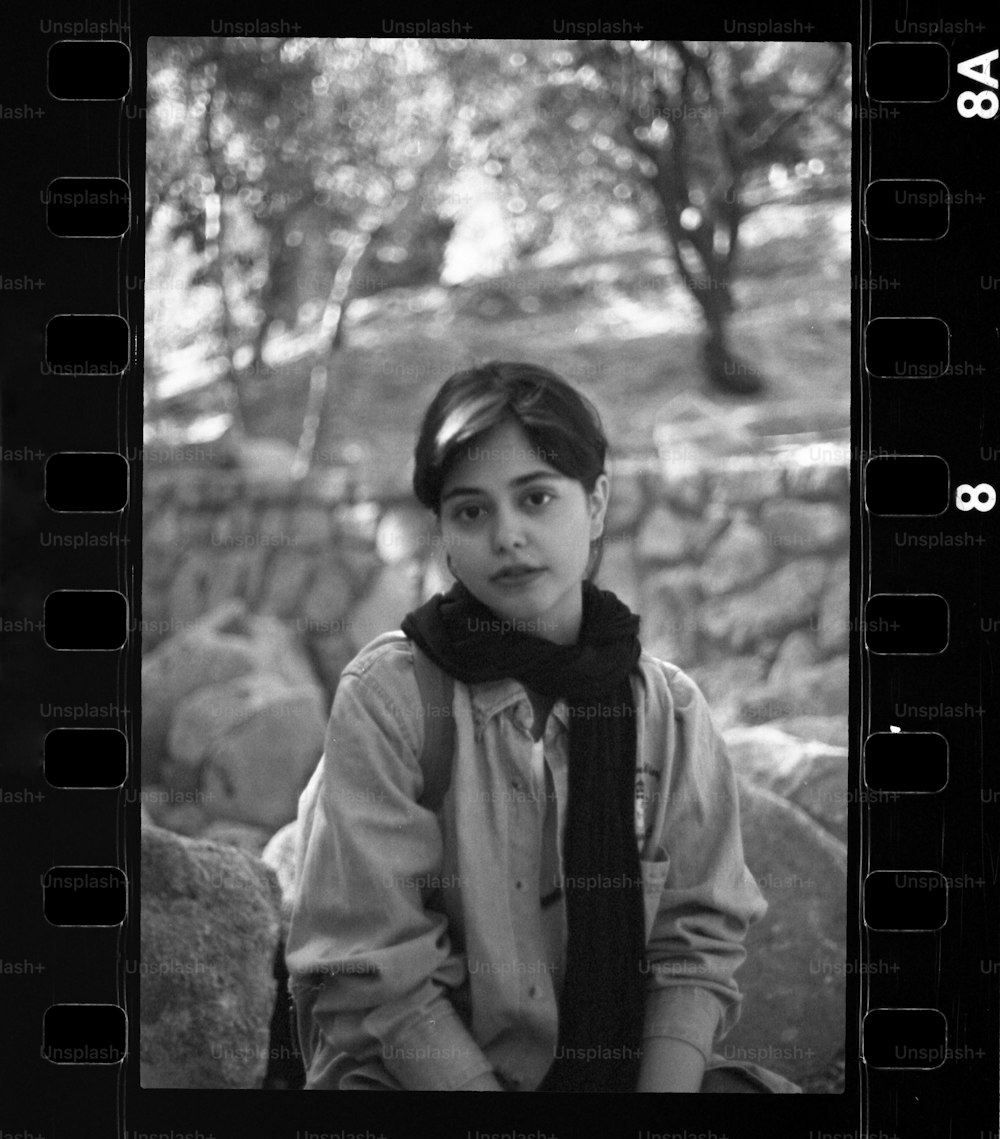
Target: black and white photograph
[496, 575]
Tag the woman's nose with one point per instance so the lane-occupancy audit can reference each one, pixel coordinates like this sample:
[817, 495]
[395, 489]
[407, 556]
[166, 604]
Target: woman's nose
[508, 531]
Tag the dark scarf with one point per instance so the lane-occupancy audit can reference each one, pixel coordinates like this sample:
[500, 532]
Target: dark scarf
[602, 1002]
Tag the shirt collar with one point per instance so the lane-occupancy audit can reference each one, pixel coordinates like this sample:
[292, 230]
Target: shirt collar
[491, 698]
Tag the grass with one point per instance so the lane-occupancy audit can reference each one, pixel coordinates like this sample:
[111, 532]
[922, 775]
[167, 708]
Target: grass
[621, 327]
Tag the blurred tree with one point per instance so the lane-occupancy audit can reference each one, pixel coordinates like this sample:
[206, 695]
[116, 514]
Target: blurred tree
[685, 134]
[287, 175]
[325, 149]
[217, 157]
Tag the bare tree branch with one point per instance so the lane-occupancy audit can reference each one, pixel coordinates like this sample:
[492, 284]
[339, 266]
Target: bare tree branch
[343, 291]
[778, 122]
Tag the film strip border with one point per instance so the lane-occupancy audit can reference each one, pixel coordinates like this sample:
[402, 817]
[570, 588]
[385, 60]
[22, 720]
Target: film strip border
[927, 938]
[925, 799]
[71, 408]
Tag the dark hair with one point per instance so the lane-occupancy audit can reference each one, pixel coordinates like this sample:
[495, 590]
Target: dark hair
[560, 422]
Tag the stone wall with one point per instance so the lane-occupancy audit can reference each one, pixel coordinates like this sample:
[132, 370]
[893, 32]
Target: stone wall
[738, 567]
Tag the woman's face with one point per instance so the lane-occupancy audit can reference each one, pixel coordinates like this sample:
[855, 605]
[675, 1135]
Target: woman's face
[518, 532]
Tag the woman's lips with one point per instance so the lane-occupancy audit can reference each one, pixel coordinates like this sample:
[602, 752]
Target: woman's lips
[511, 579]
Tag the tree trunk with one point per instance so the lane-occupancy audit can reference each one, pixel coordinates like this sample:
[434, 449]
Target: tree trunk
[275, 287]
[322, 393]
[705, 270]
[215, 248]
[708, 281]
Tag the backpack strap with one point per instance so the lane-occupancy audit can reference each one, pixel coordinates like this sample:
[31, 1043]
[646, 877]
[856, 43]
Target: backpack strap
[437, 693]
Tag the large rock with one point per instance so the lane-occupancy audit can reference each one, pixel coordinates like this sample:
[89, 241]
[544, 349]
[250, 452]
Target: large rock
[739, 557]
[668, 536]
[209, 935]
[437, 577]
[811, 774]
[272, 526]
[235, 573]
[834, 617]
[278, 649]
[669, 614]
[826, 729]
[263, 459]
[685, 486]
[747, 479]
[802, 527]
[794, 975]
[356, 522]
[618, 571]
[798, 651]
[724, 681]
[783, 600]
[769, 757]
[394, 593]
[189, 588]
[180, 811]
[311, 525]
[235, 526]
[825, 477]
[330, 655]
[156, 621]
[287, 578]
[242, 835]
[325, 606]
[404, 532]
[811, 690]
[248, 745]
[204, 654]
[626, 502]
[162, 530]
[821, 791]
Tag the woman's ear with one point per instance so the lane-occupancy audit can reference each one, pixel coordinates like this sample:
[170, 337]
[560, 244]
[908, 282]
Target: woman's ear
[598, 504]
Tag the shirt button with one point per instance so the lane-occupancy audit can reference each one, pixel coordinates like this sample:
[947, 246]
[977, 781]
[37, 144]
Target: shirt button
[535, 991]
[519, 884]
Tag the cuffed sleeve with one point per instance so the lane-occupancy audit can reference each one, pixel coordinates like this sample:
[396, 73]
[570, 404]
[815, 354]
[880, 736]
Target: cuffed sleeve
[685, 1013]
[371, 965]
[709, 898]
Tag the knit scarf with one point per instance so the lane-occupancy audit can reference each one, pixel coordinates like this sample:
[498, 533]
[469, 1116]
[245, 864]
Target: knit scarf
[602, 1001]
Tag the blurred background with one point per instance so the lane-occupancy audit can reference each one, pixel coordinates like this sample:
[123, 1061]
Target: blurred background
[335, 226]
[350, 220]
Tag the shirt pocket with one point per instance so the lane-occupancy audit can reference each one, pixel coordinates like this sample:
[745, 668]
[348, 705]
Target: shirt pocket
[654, 873]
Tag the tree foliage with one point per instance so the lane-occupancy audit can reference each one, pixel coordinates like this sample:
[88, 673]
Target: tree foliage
[301, 173]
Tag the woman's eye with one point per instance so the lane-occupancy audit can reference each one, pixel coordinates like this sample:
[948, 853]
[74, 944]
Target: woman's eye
[467, 513]
[538, 497]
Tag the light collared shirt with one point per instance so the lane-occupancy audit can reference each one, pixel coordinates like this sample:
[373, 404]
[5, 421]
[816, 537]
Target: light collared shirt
[427, 948]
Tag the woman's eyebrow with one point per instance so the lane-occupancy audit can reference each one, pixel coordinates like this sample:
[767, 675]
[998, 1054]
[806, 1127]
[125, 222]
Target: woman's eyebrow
[519, 481]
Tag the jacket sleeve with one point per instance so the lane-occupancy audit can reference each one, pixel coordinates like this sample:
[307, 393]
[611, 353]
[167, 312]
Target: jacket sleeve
[709, 898]
[370, 965]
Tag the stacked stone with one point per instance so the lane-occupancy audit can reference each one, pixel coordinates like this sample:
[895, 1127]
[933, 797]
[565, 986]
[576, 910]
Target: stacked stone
[740, 573]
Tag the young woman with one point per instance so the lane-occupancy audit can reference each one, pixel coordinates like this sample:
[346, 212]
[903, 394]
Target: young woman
[571, 916]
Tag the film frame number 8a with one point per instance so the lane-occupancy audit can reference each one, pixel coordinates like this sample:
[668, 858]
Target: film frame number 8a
[979, 104]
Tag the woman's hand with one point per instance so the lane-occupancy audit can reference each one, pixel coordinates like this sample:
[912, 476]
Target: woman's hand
[670, 1065]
